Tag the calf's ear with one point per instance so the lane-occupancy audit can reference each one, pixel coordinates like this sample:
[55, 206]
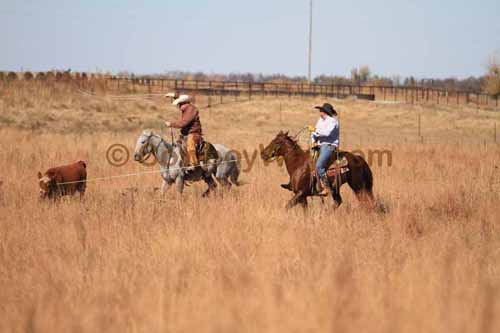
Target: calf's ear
[39, 175]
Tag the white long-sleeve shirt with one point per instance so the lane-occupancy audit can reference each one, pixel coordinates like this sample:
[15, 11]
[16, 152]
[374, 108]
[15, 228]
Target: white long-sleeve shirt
[327, 131]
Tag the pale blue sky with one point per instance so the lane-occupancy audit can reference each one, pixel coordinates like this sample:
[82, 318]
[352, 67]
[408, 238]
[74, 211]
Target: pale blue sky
[425, 38]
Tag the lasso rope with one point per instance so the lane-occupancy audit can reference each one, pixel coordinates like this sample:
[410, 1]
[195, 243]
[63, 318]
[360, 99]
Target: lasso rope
[135, 174]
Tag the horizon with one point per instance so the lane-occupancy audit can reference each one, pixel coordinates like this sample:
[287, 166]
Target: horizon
[400, 38]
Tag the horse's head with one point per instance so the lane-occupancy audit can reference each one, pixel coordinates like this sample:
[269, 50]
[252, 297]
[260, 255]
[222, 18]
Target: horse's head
[143, 148]
[277, 147]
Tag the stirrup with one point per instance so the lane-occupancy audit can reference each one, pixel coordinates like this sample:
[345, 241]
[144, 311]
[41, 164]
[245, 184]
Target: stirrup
[327, 186]
[324, 193]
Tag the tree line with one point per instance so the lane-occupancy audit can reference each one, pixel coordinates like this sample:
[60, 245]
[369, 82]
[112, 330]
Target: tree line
[489, 82]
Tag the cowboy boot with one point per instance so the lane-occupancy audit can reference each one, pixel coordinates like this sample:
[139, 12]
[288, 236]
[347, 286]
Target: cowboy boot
[317, 187]
[287, 186]
[327, 186]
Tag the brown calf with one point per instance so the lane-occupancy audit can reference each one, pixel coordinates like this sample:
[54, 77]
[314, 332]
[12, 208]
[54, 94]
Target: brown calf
[63, 180]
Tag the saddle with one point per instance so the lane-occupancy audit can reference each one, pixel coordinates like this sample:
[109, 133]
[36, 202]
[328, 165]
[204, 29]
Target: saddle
[205, 152]
[337, 166]
[336, 172]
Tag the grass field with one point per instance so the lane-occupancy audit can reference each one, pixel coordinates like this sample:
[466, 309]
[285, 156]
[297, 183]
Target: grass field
[123, 261]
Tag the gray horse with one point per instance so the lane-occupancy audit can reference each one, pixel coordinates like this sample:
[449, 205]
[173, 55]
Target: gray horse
[226, 168]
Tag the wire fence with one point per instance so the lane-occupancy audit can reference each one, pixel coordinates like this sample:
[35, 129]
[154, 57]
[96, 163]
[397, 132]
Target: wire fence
[218, 91]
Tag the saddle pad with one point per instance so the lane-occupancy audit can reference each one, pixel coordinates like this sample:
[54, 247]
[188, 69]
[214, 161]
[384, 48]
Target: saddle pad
[333, 172]
[342, 163]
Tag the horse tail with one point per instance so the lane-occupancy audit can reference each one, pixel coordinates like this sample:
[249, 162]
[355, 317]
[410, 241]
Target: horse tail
[368, 177]
[235, 173]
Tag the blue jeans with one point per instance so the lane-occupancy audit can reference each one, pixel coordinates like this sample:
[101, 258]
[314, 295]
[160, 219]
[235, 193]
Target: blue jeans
[325, 154]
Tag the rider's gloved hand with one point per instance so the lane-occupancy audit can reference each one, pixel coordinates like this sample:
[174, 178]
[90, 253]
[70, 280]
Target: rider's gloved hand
[311, 128]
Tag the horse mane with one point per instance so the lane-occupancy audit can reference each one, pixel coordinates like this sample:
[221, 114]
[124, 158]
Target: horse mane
[294, 142]
[148, 132]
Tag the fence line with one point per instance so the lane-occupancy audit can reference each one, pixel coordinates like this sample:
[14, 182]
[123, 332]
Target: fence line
[241, 90]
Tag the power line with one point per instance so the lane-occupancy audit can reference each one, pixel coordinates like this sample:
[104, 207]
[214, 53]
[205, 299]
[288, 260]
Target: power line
[309, 74]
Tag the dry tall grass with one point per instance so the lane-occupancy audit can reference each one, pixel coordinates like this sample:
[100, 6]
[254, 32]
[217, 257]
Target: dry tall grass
[123, 261]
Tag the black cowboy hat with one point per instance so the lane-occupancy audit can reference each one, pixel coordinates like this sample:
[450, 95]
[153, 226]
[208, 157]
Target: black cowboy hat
[328, 109]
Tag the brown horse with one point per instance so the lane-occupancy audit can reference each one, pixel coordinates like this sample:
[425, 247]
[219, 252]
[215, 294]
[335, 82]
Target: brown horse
[298, 164]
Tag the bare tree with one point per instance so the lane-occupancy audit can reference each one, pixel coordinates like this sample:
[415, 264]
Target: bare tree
[354, 75]
[492, 79]
[364, 73]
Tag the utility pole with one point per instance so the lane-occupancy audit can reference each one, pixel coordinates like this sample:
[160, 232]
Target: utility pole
[309, 75]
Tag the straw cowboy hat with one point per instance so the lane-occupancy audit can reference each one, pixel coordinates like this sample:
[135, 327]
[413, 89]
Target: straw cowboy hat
[328, 109]
[182, 99]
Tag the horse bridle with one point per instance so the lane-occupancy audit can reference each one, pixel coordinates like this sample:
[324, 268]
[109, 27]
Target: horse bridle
[144, 159]
[170, 150]
[281, 144]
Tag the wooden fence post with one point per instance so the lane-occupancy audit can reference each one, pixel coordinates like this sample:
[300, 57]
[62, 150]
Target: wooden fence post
[420, 137]
[281, 116]
[495, 133]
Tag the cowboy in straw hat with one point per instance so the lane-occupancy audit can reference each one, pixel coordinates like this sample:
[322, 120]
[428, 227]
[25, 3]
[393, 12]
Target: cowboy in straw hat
[326, 135]
[189, 124]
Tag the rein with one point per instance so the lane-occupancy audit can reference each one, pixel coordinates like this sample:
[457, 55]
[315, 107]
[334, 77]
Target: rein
[170, 150]
[146, 158]
[299, 133]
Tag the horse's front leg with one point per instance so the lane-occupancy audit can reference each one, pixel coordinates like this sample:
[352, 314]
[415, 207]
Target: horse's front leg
[165, 186]
[179, 184]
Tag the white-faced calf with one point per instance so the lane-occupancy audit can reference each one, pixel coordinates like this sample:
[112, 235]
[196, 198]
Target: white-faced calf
[63, 180]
